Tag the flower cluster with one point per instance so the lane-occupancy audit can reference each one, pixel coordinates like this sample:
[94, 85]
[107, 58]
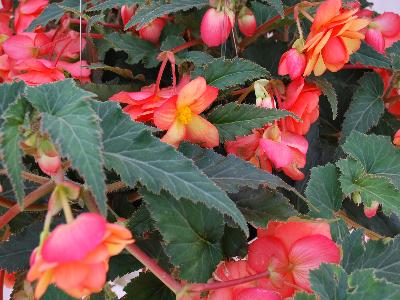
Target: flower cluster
[287, 251]
[41, 56]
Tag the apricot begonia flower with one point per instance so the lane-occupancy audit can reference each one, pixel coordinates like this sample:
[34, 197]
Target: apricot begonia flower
[289, 250]
[302, 99]
[180, 115]
[75, 256]
[141, 105]
[335, 35]
[26, 12]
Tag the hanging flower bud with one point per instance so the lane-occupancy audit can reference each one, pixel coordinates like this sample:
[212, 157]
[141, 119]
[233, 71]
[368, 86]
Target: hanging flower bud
[370, 211]
[247, 22]
[216, 26]
[293, 62]
[48, 158]
[152, 31]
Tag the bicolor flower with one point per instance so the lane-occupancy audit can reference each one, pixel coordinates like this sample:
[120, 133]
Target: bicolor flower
[216, 26]
[247, 21]
[371, 210]
[151, 32]
[302, 99]
[75, 256]
[335, 35]
[180, 115]
[290, 250]
[292, 63]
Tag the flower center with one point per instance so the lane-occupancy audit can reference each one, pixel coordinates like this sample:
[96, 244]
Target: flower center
[184, 115]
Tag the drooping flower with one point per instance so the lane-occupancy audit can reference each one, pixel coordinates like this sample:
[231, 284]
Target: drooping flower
[292, 63]
[247, 21]
[383, 31]
[26, 12]
[289, 250]
[271, 147]
[216, 26]
[302, 99]
[141, 105]
[48, 158]
[180, 115]
[75, 256]
[334, 36]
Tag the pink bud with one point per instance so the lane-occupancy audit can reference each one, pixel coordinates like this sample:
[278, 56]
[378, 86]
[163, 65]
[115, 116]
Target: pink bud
[127, 13]
[247, 22]
[370, 211]
[49, 164]
[215, 27]
[292, 63]
[152, 31]
[375, 39]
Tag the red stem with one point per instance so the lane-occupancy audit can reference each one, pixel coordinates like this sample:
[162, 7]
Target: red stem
[263, 29]
[93, 35]
[204, 287]
[28, 200]
[160, 73]
[186, 45]
[149, 263]
[2, 275]
[109, 25]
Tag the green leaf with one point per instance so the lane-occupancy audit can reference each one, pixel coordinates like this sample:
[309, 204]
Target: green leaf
[114, 3]
[371, 187]
[277, 4]
[156, 9]
[263, 205]
[171, 42]
[9, 93]
[262, 12]
[137, 156]
[141, 221]
[383, 257]
[367, 56]
[15, 253]
[14, 117]
[367, 106]
[234, 242]
[148, 287]
[304, 296]
[192, 233]
[365, 286]
[377, 155]
[329, 282]
[329, 91]
[394, 54]
[121, 265]
[104, 91]
[324, 192]
[198, 58]
[73, 126]
[54, 293]
[224, 73]
[234, 120]
[230, 172]
[136, 48]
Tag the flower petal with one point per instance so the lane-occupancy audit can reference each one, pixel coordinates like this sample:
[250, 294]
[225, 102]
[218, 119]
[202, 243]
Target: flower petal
[165, 115]
[257, 294]
[200, 131]
[175, 134]
[325, 12]
[191, 92]
[205, 100]
[279, 154]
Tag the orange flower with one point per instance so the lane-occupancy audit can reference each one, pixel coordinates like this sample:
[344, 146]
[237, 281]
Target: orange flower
[180, 115]
[75, 256]
[335, 35]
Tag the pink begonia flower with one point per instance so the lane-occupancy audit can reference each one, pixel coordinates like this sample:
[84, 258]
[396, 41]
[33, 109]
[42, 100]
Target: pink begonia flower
[216, 26]
[26, 12]
[292, 63]
[27, 45]
[272, 147]
[302, 99]
[383, 31]
[75, 256]
[247, 21]
[289, 250]
[67, 44]
[37, 71]
[180, 115]
[370, 211]
[141, 105]
[78, 70]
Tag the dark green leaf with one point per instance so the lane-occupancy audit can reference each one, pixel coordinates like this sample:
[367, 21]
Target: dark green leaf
[224, 73]
[329, 282]
[367, 56]
[323, 191]
[367, 106]
[234, 242]
[198, 58]
[304, 296]
[329, 91]
[9, 93]
[73, 126]
[136, 155]
[114, 3]
[192, 234]
[234, 120]
[277, 4]
[394, 54]
[148, 287]
[54, 293]
[262, 12]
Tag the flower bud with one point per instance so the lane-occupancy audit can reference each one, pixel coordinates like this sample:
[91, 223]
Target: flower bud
[375, 39]
[48, 159]
[127, 13]
[370, 211]
[356, 197]
[292, 63]
[152, 31]
[216, 27]
[263, 98]
[247, 22]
